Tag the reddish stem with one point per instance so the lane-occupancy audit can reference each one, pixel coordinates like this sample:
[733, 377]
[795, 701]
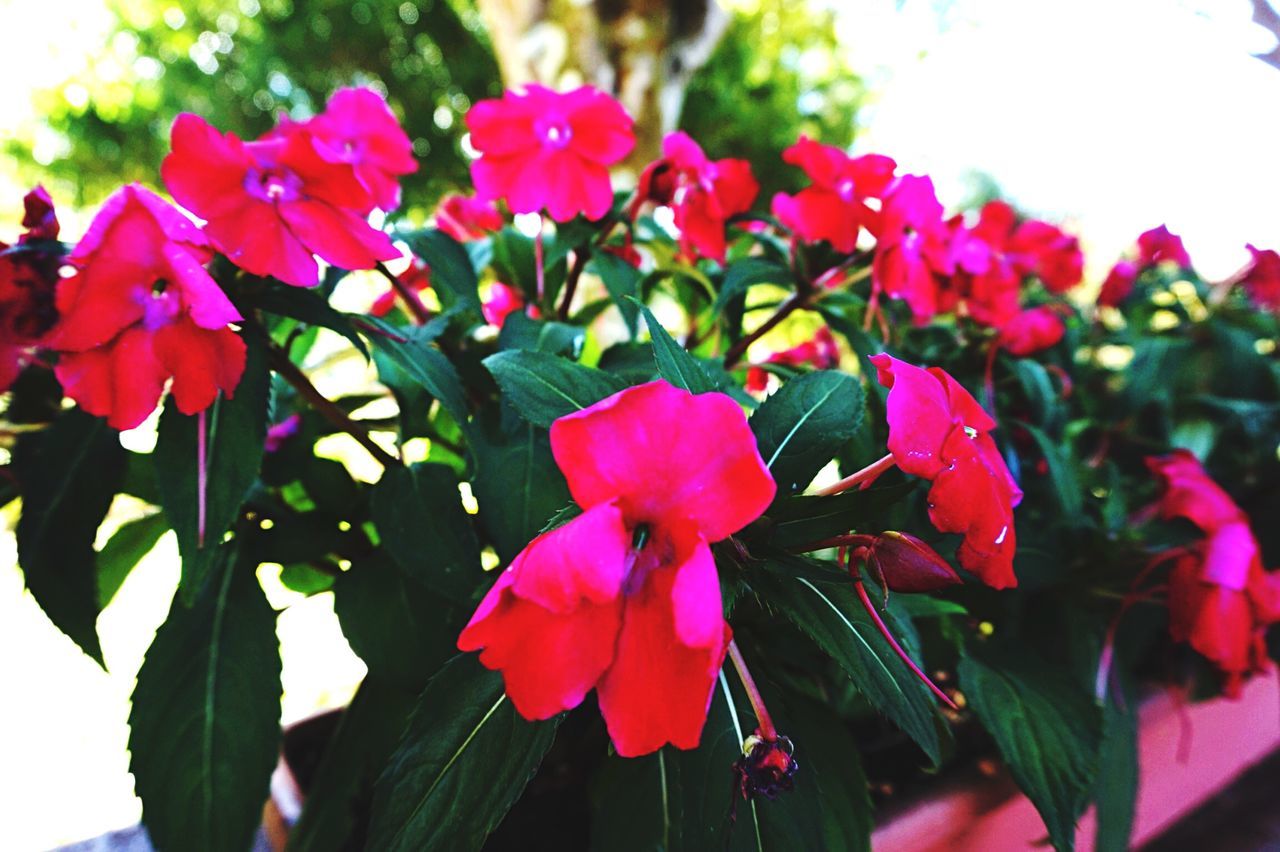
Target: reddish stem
[202, 474]
[412, 302]
[868, 475]
[893, 643]
[766, 728]
[737, 350]
[539, 274]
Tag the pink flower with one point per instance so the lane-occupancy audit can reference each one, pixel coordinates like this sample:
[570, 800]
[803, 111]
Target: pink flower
[272, 205]
[416, 278]
[1157, 245]
[986, 274]
[938, 431]
[466, 218]
[1051, 254]
[820, 352]
[834, 207]
[1031, 331]
[1262, 278]
[28, 277]
[357, 128]
[1119, 284]
[542, 149]
[503, 300]
[141, 310]
[279, 433]
[912, 247]
[703, 194]
[625, 598]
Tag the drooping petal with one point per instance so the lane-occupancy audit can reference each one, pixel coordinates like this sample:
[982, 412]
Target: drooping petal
[584, 560]
[340, 236]
[201, 361]
[695, 595]
[971, 496]
[919, 415]
[121, 381]
[667, 457]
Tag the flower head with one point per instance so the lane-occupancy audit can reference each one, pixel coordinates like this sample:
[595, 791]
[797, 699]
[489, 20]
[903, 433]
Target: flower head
[502, 301]
[466, 218]
[702, 193]
[912, 247]
[357, 128]
[833, 207]
[1031, 331]
[541, 149]
[1262, 278]
[625, 598]
[28, 277]
[938, 431]
[1158, 245]
[1048, 252]
[272, 205]
[1119, 283]
[140, 310]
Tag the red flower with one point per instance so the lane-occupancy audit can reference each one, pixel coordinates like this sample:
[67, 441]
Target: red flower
[1031, 331]
[1158, 245]
[1221, 600]
[272, 205]
[1051, 254]
[28, 277]
[416, 279]
[938, 431]
[911, 247]
[820, 352]
[357, 128]
[141, 310]
[466, 218]
[503, 300]
[702, 193]
[543, 149]
[986, 274]
[1118, 284]
[834, 207]
[1262, 278]
[625, 598]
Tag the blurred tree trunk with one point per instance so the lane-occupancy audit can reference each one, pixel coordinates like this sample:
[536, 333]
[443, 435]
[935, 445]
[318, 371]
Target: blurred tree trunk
[643, 52]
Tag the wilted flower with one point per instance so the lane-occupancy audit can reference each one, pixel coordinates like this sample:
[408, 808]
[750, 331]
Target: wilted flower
[28, 277]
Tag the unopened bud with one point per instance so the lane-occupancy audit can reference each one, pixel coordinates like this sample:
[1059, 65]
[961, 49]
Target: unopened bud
[907, 564]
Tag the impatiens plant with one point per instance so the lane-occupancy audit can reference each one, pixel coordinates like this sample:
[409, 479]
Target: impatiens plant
[670, 522]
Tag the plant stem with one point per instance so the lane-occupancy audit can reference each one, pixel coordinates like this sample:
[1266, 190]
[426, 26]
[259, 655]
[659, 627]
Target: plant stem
[735, 353]
[538, 272]
[202, 474]
[893, 643]
[766, 728]
[580, 258]
[410, 298]
[328, 409]
[870, 472]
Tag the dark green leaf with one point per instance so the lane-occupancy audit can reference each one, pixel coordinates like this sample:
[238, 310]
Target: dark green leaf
[1117, 790]
[802, 426]
[828, 611]
[304, 579]
[1047, 731]
[518, 486]
[126, 547]
[747, 272]
[556, 338]
[545, 387]
[69, 474]
[804, 520]
[451, 271]
[236, 429]
[420, 519]
[463, 761]
[305, 306]
[622, 280]
[675, 364]
[1065, 485]
[426, 365]
[204, 730]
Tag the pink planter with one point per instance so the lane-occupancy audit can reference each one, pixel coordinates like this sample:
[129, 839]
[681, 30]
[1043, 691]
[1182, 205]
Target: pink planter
[1218, 739]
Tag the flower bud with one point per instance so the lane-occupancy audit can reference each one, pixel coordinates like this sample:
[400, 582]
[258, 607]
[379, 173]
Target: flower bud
[909, 565]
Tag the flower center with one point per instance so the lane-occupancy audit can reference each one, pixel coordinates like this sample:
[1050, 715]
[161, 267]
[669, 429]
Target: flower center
[844, 189]
[271, 185]
[556, 134]
[160, 304]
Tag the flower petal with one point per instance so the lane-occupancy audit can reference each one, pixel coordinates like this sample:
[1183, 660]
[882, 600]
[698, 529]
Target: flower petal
[584, 560]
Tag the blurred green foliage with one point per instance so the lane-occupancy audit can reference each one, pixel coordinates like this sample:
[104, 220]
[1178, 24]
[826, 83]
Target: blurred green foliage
[776, 73]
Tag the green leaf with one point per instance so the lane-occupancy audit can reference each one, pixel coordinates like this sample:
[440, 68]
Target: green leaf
[426, 366]
[342, 789]
[747, 272]
[236, 429]
[556, 338]
[69, 474]
[464, 759]
[1117, 789]
[518, 486]
[305, 306]
[451, 271]
[204, 730]
[401, 629]
[622, 280]
[825, 606]
[803, 520]
[126, 547]
[675, 364]
[545, 387]
[1047, 731]
[1065, 485]
[802, 426]
[420, 519]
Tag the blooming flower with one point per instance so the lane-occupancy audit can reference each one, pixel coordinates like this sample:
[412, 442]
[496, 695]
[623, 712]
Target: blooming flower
[1157, 245]
[820, 352]
[1031, 330]
[28, 276]
[503, 300]
[911, 247]
[1051, 254]
[272, 205]
[1119, 283]
[702, 193]
[543, 149]
[986, 274]
[625, 598]
[938, 431]
[1221, 600]
[834, 207]
[140, 310]
[1262, 278]
[359, 129]
[466, 218]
